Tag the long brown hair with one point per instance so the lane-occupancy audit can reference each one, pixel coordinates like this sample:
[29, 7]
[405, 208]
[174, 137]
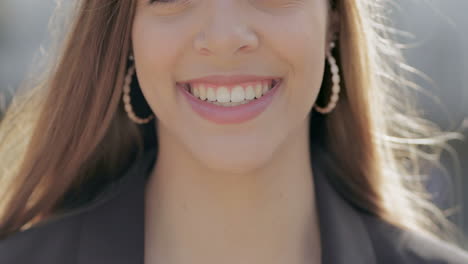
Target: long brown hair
[66, 137]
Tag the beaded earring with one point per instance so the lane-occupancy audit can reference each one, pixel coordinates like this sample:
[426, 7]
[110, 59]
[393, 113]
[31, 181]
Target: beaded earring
[336, 83]
[127, 98]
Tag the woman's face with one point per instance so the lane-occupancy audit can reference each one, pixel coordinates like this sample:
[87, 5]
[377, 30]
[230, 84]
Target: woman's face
[178, 41]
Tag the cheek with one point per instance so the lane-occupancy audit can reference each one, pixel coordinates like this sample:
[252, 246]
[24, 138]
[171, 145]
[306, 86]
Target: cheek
[301, 44]
[156, 48]
[154, 43]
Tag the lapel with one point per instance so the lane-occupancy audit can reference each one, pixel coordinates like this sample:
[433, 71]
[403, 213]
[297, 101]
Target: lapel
[344, 236]
[115, 232]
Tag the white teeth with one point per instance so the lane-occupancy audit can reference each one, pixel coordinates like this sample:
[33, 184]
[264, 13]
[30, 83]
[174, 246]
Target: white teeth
[237, 94]
[265, 87]
[249, 93]
[196, 91]
[202, 90]
[222, 95]
[210, 94]
[230, 103]
[258, 90]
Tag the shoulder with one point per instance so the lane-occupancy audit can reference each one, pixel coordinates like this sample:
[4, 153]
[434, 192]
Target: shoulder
[60, 239]
[395, 245]
[107, 229]
[48, 242]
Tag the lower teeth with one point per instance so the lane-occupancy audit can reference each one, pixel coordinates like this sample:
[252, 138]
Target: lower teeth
[230, 103]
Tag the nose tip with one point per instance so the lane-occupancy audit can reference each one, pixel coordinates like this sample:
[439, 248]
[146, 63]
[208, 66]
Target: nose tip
[225, 33]
[228, 45]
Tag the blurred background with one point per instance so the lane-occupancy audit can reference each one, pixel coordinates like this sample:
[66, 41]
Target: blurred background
[436, 41]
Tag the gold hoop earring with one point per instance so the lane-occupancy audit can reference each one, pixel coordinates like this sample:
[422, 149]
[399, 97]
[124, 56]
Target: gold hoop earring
[127, 99]
[336, 83]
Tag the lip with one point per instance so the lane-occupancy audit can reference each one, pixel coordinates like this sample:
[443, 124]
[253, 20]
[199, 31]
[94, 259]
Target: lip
[229, 80]
[230, 114]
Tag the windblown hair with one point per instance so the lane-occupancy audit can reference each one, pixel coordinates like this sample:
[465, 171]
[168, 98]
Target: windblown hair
[66, 135]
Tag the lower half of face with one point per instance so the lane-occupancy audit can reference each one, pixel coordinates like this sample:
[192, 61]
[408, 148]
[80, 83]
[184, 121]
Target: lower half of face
[234, 125]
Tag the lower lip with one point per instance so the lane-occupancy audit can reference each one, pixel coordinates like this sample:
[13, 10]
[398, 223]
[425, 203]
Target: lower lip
[230, 114]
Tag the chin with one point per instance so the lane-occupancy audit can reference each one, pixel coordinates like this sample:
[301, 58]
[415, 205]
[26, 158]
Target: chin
[234, 162]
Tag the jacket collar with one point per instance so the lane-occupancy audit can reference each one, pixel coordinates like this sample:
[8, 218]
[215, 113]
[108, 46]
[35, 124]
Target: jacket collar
[115, 232]
[344, 236]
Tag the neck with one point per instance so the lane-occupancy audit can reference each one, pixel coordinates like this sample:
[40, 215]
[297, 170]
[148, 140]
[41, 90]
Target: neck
[194, 215]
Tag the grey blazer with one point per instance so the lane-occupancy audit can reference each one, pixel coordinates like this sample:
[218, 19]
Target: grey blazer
[111, 230]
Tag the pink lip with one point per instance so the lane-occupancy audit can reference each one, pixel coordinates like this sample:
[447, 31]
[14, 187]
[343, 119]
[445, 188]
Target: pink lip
[230, 114]
[229, 80]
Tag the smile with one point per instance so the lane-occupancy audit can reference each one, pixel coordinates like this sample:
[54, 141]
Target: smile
[230, 95]
[230, 103]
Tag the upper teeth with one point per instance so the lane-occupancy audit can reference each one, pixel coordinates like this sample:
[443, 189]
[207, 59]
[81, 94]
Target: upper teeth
[236, 93]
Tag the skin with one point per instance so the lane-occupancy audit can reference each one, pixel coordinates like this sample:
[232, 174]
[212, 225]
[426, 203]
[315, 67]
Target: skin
[235, 193]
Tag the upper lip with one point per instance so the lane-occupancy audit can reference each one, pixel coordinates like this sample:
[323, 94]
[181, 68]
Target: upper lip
[229, 79]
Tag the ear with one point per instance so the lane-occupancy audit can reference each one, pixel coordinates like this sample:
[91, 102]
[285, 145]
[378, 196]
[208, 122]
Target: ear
[333, 27]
